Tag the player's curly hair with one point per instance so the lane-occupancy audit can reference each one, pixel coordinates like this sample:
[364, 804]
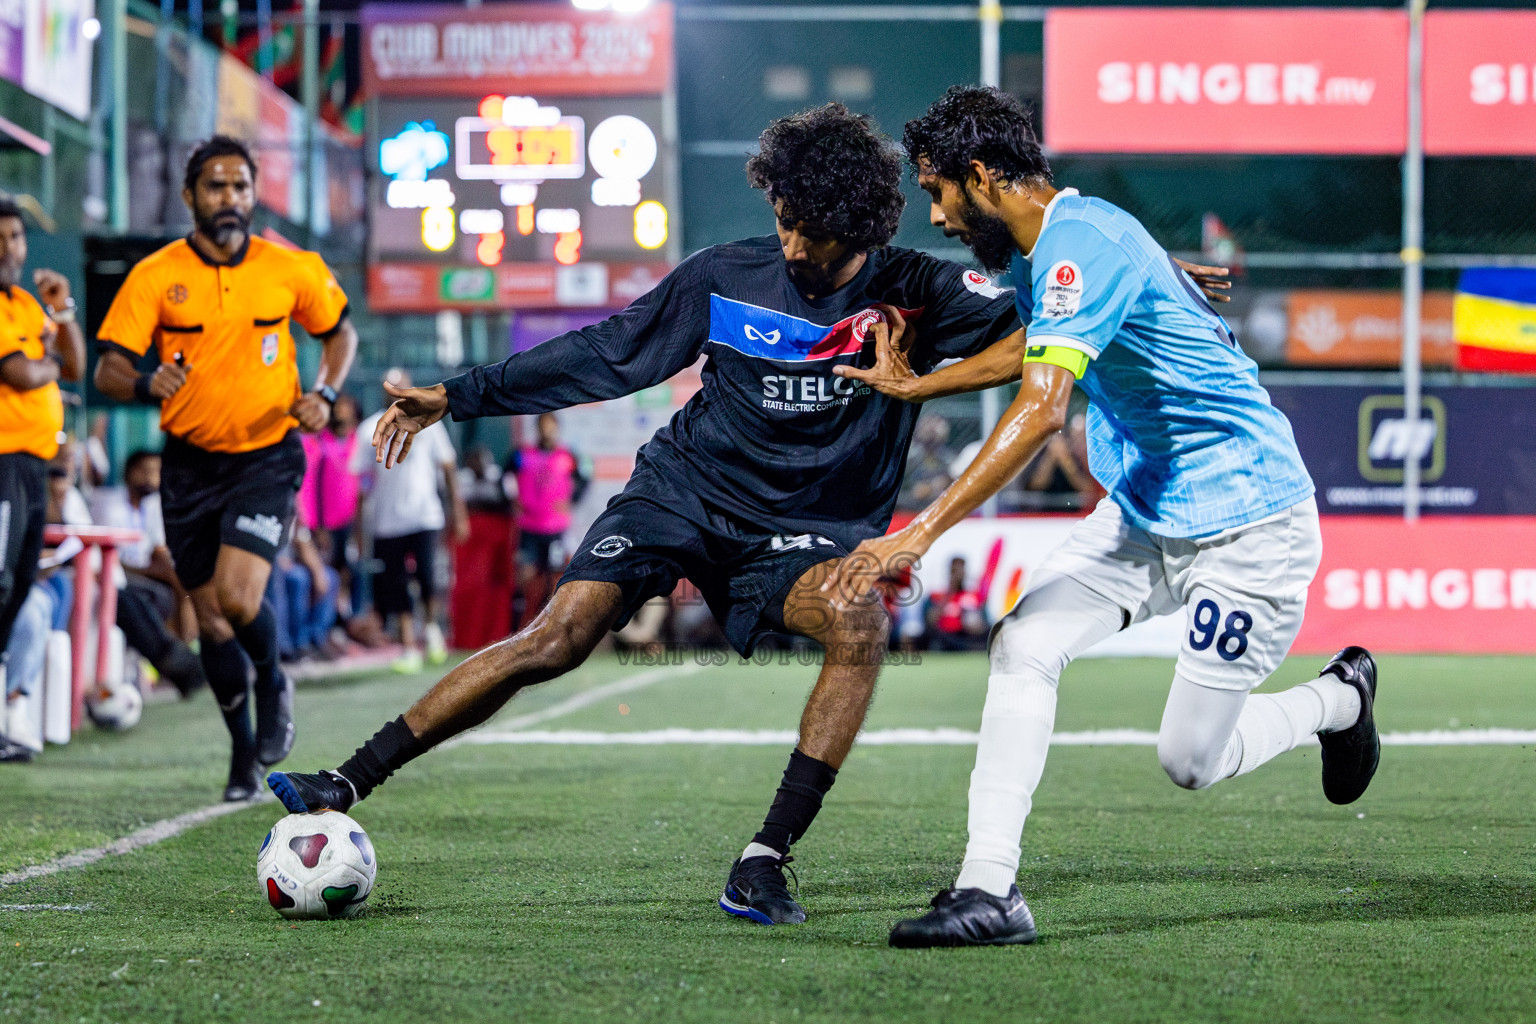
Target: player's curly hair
[835, 171]
[219, 145]
[971, 122]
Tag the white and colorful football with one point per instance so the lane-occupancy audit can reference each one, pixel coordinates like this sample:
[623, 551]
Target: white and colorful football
[316, 866]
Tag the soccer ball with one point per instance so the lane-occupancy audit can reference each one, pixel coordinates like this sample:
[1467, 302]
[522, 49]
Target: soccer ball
[117, 708]
[316, 866]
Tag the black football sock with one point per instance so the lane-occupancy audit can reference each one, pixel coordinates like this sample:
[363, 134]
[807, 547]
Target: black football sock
[228, 673]
[389, 750]
[259, 638]
[806, 782]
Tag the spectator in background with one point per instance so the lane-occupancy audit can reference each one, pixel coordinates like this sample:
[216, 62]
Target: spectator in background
[405, 518]
[148, 593]
[483, 484]
[40, 344]
[98, 464]
[928, 463]
[957, 617]
[328, 496]
[1057, 479]
[304, 593]
[550, 479]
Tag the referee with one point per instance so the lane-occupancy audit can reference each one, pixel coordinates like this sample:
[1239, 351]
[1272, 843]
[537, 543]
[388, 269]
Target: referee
[218, 305]
[39, 346]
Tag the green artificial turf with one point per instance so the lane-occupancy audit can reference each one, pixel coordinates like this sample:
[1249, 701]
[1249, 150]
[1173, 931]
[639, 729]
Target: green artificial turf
[533, 883]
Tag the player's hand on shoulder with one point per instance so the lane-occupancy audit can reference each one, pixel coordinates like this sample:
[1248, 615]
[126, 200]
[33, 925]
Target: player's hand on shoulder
[892, 373]
[1212, 280]
[414, 410]
[168, 379]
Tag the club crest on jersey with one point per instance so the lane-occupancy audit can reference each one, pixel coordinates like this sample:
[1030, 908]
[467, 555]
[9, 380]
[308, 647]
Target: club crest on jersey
[1063, 290]
[612, 546]
[979, 284]
[269, 349]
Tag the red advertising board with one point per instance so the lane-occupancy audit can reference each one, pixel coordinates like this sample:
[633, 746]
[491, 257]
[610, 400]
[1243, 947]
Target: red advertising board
[1450, 584]
[534, 49]
[398, 287]
[1195, 80]
[1480, 83]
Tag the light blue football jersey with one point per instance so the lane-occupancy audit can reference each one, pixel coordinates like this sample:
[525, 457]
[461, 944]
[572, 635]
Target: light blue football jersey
[1180, 432]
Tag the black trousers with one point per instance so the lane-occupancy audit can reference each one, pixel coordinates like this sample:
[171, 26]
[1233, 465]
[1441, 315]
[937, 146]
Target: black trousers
[23, 507]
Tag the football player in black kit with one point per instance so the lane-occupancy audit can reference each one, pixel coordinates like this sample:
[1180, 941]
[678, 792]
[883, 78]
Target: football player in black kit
[761, 483]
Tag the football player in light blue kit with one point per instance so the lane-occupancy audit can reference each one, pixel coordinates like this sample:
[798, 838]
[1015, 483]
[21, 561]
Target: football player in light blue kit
[1210, 508]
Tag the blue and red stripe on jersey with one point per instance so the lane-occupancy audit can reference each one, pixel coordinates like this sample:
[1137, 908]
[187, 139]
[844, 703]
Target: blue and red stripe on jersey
[770, 334]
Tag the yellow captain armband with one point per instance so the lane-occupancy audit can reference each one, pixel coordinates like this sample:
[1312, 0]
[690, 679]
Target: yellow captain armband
[1069, 359]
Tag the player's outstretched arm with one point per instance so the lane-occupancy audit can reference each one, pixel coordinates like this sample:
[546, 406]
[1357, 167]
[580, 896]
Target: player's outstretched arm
[1038, 412]
[412, 411]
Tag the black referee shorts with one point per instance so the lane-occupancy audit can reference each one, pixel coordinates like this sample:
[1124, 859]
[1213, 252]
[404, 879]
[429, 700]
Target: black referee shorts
[23, 507]
[243, 499]
[743, 571]
[401, 558]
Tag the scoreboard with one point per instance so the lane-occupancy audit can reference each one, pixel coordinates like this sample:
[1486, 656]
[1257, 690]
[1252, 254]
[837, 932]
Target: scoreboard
[503, 182]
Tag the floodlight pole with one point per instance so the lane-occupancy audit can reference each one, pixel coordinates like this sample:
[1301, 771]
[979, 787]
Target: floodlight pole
[1413, 259]
[990, 14]
[309, 91]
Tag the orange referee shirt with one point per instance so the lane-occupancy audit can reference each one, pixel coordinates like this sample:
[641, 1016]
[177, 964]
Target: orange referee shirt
[231, 321]
[30, 421]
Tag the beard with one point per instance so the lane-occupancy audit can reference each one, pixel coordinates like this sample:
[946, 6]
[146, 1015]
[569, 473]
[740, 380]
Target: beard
[987, 236]
[10, 273]
[220, 226]
[814, 280]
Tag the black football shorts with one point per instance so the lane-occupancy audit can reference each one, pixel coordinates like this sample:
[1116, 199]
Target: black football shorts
[243, 499]
[743, 571]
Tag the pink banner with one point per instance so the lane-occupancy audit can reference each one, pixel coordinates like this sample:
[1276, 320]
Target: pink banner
[515, 49]
[1194, 80]
[1480, 83]
[1448, 584]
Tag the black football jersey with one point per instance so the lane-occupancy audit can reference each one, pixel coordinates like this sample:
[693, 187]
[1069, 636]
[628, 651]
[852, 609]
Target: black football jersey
[772, 436]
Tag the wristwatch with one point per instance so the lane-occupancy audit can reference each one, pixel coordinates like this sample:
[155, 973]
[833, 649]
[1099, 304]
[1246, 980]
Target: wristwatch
[327, 392]
[65, 315]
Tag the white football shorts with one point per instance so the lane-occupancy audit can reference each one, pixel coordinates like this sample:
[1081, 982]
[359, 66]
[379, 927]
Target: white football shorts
[1243, 590]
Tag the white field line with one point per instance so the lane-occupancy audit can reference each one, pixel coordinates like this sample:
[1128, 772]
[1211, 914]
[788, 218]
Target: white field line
[165, 829]
[81, 907]
[584, 699]
[943, 738]
[149, 835]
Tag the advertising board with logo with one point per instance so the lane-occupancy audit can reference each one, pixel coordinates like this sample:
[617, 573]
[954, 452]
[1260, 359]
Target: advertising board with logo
[1453, 584]
[1132, 80]
[44, 49]
[1332, 327]
[1479, 83]
[521, 156]
[1192, 80]
[453, 50]
[1476, 447]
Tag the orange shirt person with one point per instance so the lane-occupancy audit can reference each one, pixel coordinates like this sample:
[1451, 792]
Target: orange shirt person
[218, 307]
[38, 348]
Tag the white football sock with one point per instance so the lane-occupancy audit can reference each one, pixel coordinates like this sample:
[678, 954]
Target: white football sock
[1341, 700]
[1016, 726]
[759, 850]
[1272, 723]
